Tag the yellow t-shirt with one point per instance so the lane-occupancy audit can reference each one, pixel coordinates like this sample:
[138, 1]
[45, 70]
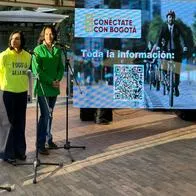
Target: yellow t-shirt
[13, 70]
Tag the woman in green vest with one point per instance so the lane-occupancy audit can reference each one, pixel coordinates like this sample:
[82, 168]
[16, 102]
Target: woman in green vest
[47, 65]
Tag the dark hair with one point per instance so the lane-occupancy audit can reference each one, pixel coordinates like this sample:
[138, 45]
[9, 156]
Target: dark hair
[41, 36]
[171, 13]
[22, 39]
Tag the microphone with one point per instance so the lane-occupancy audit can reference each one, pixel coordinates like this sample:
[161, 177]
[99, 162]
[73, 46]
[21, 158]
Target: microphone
[61, 45]
[29, 72]
[32, 52]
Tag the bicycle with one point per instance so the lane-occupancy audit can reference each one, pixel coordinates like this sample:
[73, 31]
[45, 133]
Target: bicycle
[168, 81]
[157, 72]
[153, 74]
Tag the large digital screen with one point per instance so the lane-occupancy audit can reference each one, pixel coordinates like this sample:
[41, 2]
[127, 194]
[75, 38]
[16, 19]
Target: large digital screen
[135, 54]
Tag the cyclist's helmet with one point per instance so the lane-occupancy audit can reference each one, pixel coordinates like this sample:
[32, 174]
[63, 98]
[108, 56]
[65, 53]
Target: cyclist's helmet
[171, 13]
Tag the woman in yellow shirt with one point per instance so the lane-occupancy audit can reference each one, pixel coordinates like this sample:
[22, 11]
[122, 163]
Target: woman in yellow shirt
[14, 63]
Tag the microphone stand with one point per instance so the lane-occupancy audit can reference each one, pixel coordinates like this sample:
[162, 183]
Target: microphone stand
[36, 163]
[67, 144]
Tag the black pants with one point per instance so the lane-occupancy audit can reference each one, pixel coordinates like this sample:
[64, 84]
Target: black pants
[45, 120]
[15, 104]
[178, 61]
[96, 114]
[103, 114]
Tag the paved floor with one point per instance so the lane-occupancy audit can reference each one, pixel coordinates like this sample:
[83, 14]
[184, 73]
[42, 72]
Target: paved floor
[141, 153]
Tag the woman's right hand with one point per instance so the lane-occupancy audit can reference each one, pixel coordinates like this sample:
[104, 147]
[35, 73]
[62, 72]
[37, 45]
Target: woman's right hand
[56, 84]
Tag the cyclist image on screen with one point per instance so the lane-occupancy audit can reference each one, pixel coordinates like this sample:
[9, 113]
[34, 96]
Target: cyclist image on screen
[174, 42]
[149, 64]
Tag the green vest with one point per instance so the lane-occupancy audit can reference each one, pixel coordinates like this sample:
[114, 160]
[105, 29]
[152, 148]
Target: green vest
[48, 66]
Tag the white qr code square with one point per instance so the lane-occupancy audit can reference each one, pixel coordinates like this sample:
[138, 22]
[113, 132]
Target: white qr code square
[128, 82]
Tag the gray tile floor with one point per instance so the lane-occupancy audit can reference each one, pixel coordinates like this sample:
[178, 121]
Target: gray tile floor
[141, 153]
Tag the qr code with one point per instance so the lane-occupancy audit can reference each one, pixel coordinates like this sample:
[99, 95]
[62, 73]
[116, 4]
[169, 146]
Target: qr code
[128, 82]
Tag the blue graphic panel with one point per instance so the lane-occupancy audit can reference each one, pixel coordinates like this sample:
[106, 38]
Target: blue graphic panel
[111, 23]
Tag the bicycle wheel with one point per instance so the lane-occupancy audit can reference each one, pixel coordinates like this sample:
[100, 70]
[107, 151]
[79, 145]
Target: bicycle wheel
[171, 92]
[150, 78]
[146, 74]
[164, 89]
[157, 78]
[163, 82]
[150, 81]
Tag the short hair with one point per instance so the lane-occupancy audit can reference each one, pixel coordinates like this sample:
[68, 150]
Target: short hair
[41, 36]
[171, 13]
[22, 39]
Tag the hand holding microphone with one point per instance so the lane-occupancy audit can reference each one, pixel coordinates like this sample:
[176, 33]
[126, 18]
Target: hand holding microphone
[32, 52]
